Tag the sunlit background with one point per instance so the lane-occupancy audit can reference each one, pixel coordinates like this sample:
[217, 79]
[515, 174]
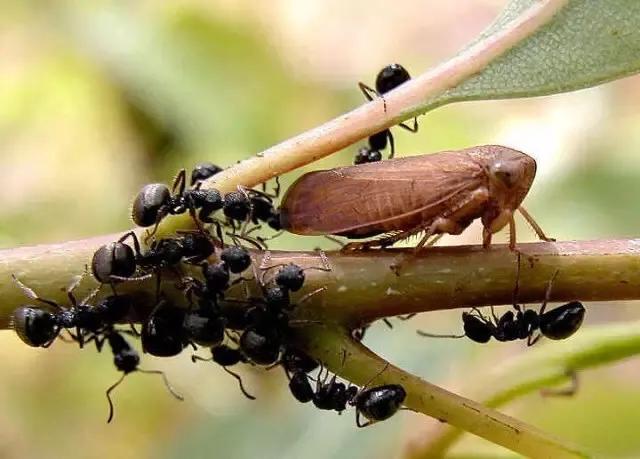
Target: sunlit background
[97, 99]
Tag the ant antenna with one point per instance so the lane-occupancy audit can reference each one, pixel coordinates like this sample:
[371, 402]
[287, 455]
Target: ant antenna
[108, 393]
[166, 382]
[547, 294]
[386, 365]
[437, 335]
[516, 288]
[33, 295]
[242, 389]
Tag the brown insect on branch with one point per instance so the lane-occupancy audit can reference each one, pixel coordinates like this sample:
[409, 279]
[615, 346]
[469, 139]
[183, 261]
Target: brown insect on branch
[432, 194]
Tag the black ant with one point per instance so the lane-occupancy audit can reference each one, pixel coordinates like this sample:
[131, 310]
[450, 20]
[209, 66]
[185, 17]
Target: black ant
[39, 328]
[126, 360]
[117, 261]
[226, 356]
[155, 201]
[377, 403]
[558, 323]
[390, 77]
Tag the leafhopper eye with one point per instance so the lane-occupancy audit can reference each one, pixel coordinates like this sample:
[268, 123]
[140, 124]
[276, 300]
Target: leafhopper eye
[507, 173]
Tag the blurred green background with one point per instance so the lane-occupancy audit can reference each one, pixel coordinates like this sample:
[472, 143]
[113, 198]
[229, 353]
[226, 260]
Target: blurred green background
[98, 98]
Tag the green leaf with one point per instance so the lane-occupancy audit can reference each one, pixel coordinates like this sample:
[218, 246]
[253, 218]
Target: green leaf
[587, 43]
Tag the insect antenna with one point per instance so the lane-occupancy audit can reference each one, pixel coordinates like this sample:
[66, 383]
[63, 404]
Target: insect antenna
[166, 382]
[437, 335]
[239, 379]
[108, 394]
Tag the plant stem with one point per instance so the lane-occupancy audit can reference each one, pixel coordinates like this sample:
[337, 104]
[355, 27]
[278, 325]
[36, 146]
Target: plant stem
[360, 365]
[361, 287]
[540, 368]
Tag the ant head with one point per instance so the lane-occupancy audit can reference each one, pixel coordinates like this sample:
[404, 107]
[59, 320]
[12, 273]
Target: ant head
[114, 259]
[290, 277]
[236, 258]
[148, 202]
[476, 328]
[390, 77]
[34, 326]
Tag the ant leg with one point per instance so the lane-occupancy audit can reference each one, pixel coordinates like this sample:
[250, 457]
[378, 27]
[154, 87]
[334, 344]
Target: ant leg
[516, 287]
[242, 389]
[408, 316]
[251, 241]
[134, 239]
[367, 91]
[166, 382]
[276, 189]
[413, 129]
[80, 337]
[574, 385]
[392, 146]
[493, 314]
[73, 285]
[527, 216]
[388, 323]
[162, 212]
[531, 341]
[179, 182]
[196, 358]
[134, 330]
[358, 423]
[108, 394]
[99, 341]
[91, 295]
[309, 295]
[547, 293]
[33, 295]
[198, 223]
[326, 266]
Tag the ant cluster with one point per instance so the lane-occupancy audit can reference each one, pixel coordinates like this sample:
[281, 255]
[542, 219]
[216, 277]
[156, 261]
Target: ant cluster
[390, 77]
[252, 330]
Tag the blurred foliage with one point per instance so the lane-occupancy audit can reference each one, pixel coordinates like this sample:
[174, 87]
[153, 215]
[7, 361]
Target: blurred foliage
[98, 98]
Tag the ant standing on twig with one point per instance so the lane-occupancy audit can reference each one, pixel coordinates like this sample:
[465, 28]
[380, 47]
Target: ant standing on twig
[558, 323]
[390, 77]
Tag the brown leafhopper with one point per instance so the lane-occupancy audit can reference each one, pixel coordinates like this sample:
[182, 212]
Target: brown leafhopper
[431, 194]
